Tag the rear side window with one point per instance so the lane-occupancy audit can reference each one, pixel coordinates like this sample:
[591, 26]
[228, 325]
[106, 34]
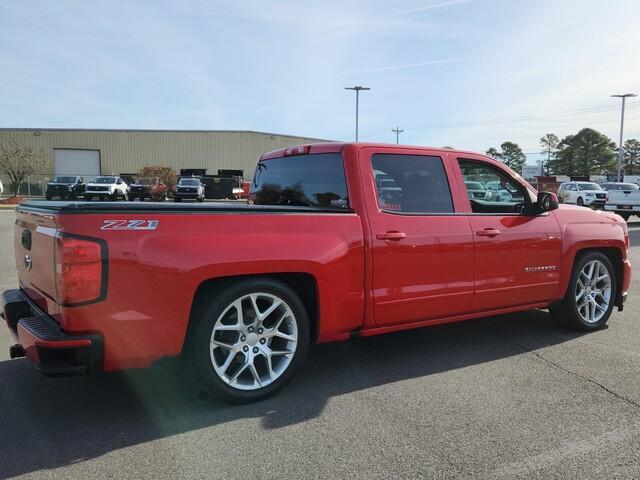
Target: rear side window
[315, 180]
[411, 184]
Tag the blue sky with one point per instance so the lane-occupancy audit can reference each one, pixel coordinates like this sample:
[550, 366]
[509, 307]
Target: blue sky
[465, 73]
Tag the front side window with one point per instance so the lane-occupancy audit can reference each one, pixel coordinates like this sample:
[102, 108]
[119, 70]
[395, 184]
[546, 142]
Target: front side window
[411, 184]
[491, 190]
[315, 180]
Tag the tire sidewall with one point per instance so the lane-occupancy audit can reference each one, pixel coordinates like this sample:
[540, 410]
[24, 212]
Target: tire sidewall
[570, 299]
[204, 318]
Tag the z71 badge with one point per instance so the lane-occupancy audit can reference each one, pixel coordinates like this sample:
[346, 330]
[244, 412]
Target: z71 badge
[130, 225]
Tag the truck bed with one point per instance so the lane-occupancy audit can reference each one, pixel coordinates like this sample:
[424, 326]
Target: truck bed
[70, 207]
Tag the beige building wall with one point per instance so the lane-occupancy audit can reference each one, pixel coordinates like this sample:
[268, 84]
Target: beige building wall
[125, 151]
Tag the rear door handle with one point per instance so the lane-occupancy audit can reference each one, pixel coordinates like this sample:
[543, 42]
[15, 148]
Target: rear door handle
[488, 232]
[391, 236]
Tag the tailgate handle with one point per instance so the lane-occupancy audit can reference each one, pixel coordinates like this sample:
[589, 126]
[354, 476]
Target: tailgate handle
[26, 239]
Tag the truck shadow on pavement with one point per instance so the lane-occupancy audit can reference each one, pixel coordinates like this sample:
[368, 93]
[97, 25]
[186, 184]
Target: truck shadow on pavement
[48, 423]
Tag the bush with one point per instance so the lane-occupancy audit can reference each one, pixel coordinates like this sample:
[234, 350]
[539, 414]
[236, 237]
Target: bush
[167, 175]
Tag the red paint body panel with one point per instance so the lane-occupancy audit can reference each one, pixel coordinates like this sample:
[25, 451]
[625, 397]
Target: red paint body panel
[440, 271]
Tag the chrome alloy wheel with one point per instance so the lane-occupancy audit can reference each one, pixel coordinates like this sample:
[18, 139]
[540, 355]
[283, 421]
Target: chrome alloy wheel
[253, 341]
[593, 291]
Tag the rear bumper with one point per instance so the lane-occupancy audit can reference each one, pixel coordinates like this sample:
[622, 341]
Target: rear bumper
[40, 338]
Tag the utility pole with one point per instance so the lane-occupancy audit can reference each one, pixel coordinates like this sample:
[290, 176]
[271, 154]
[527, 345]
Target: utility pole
[620, 152]
[397, 131]
[357, 89]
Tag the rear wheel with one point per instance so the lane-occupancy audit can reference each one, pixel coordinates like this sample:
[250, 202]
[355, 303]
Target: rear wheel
[590, 297]
[248, 339]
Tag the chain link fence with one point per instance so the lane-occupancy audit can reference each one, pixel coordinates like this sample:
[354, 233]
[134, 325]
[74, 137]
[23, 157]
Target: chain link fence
[33, 186]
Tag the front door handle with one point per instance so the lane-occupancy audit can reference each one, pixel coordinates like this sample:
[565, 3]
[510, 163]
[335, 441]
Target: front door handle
[488, 232]
[391, 236]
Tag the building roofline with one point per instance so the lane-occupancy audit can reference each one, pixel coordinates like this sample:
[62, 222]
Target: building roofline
[142, 130]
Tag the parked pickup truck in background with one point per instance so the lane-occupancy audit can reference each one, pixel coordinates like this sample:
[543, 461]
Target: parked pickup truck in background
[106, 188]
[622, 198]
[150, 188]
[66, 187]
[318, 254]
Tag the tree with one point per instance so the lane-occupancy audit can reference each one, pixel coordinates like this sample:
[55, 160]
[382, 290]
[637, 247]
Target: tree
[511, 155]
[585, 153]
[631, 157]
[18, 161]
[167, 175]
[493, 153]
[549, 143]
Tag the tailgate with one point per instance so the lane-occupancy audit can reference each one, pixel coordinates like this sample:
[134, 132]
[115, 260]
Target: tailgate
[623, 197]
[34, 242]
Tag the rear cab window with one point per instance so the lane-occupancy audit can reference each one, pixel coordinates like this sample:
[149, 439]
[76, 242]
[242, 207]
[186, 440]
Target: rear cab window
[313, 180]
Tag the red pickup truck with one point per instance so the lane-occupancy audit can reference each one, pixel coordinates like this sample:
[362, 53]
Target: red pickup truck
[337, 240]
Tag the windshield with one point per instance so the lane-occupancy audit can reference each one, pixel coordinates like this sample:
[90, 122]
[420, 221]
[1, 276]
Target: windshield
[192, 182]
[64, 180]
[589, 186]
[105, 180]
[146, 181]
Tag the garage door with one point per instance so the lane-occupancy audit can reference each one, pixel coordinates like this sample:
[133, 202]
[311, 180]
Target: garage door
[77, 162]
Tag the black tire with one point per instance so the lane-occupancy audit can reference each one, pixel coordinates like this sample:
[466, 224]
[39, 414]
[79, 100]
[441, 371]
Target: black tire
[201, 199]
[177, 199]
[204, 317]
[580, 202]
[88, 198]
[48, 197]
[566, 312]
[131, 199]
[625, 216]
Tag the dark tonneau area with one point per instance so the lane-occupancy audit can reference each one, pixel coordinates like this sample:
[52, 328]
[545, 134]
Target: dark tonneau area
[71, 207]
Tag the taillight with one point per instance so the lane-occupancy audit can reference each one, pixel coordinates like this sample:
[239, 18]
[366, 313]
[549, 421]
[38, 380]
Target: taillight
[300, 150]
[80, 270]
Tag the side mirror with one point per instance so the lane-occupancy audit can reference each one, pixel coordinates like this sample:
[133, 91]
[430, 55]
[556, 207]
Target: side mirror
[546, 202]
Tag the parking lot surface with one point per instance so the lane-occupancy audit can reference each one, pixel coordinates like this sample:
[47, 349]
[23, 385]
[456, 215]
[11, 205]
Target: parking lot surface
[513, 396]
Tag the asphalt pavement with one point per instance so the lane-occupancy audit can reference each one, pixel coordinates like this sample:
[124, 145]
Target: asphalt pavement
[507, 397]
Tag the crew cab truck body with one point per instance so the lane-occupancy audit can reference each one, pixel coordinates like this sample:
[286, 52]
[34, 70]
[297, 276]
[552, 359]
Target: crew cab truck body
[318, 255]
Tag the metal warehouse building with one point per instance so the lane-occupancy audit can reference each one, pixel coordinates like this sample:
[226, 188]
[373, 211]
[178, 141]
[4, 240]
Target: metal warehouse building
[103, 152]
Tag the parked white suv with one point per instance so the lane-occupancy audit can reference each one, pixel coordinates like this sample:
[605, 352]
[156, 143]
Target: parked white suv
[586, 194]
[107, 187]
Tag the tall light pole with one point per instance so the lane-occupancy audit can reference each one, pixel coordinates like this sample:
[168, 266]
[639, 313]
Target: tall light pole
[620, 152]
[397, 131]
[357, 89]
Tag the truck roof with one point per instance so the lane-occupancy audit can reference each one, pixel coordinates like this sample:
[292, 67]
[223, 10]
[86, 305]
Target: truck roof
[334, 147]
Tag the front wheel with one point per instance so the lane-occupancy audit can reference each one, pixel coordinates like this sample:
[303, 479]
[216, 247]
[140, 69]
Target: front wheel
[580, 202]
[590, 297]
[625, 216]
[248, 339]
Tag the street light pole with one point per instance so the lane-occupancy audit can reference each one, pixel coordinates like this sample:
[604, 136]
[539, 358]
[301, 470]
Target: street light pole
[357, 89]
[620, 150]
[397, 131]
